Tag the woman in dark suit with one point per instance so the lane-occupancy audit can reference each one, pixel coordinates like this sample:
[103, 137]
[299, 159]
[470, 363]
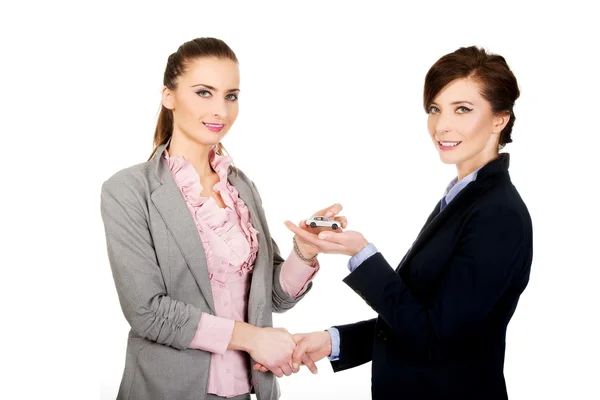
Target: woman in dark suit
[443, 312]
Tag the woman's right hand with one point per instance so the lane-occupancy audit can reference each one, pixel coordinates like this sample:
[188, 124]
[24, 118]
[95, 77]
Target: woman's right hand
[271, 347]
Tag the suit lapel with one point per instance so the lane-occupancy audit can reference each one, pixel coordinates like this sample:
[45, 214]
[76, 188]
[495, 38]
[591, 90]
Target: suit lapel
[172, 208]
[434, 222]
[257, 295]
[487, 177]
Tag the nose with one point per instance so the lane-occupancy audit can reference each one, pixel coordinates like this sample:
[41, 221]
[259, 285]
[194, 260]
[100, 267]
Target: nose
[220, 109]
[443, 124]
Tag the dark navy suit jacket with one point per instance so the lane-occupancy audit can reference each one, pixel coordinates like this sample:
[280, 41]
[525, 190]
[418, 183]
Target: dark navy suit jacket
[443, 313]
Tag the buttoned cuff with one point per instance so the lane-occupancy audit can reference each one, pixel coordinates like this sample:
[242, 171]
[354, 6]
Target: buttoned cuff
[213, 334]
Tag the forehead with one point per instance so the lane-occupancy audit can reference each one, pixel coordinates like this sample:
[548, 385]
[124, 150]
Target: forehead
[218, 72]
[463, 89]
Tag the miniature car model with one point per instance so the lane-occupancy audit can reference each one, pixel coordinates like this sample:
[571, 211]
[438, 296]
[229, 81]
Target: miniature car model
[322, 221]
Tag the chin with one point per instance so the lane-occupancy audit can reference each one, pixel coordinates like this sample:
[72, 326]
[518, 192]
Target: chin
[448, 159]
[209, 140]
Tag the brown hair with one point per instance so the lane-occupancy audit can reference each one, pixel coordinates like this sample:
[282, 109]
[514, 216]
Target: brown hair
[176, 66]
[498, 83]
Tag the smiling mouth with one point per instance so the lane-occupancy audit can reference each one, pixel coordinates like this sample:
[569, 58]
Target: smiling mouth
[214, 127]
[446, 145]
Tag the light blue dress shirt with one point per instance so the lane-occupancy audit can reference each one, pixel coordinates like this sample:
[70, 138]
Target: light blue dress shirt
[452, 190]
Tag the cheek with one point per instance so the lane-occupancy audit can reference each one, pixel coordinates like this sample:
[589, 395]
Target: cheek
[188, 107]
[431, 126]
[472, 128]
[233, 111]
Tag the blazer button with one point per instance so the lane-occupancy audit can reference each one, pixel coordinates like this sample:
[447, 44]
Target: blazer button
[382, 335]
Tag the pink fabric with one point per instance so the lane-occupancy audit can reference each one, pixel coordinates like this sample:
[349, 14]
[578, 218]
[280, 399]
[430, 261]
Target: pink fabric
[231, 244]
[295, 275]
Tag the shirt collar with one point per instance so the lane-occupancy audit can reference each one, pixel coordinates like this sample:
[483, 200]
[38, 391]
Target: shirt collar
[455, 186]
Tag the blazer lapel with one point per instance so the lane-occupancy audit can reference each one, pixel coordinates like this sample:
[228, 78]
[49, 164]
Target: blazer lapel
[486, 178]
[172, 207]
[257, 295]
[434, 222]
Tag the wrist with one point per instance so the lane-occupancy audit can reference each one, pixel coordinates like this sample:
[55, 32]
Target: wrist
[360, 248]
[305, 252]
[242, 337]
[328, 343]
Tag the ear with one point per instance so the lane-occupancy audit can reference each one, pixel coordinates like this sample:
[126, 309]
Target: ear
[168, 98]
[500, 121]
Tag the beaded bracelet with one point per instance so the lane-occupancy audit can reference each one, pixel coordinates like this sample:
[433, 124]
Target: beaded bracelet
[299, 254]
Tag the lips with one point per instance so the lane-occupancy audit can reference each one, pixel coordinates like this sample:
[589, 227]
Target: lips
[447, 145]
[214, 127]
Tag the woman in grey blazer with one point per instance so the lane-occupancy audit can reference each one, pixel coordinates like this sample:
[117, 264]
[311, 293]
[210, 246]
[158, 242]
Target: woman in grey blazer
[196, 271]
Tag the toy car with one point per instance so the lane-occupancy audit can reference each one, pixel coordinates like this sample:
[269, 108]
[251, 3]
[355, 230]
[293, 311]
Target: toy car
[322, 221]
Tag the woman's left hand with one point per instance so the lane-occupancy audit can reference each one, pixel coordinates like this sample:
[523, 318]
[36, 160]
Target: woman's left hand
[331, 242]
[308, 249]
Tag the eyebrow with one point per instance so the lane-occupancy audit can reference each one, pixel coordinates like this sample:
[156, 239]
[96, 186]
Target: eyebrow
[214, 88]
[455, 102]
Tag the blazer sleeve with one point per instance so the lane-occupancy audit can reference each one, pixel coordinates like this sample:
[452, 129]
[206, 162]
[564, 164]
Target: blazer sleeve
[282, 301]
[356, 344]
[492, 251]
[138, 279]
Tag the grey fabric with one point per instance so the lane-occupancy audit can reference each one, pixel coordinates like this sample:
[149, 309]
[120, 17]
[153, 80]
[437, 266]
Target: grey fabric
[160, 273]
[240, 397]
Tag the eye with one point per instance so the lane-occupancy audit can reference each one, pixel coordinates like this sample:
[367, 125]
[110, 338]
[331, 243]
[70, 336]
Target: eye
[463, 110]
[433, 110]
[203, 93]
[232, 97]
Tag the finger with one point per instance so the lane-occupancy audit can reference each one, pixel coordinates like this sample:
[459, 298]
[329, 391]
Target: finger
[299, 351]
[257, 367]
[343, 221]
[305, 235]
[264, 369]
[277, 371]
[298, 337]
[287, 369]
[306, 360]
[339, 238]
[295, 367]
[329, 211]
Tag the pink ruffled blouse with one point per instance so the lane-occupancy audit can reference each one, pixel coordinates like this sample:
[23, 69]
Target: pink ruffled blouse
[230, 243]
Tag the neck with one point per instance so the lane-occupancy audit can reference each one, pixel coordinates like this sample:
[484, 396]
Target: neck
[196, 153]
[468, 166]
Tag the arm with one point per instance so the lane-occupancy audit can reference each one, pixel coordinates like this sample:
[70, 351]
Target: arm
[295, 274]
[291, 278]
[489, 256]
[138, 279]
[288, 289]
[356, 344]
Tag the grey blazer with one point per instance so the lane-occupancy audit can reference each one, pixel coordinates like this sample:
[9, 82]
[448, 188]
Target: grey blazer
[161, 276]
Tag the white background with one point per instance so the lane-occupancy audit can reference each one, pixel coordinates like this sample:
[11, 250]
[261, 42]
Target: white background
[81, 85]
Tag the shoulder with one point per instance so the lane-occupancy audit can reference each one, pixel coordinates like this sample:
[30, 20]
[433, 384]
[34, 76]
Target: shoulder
[502, 209]
[133, 181]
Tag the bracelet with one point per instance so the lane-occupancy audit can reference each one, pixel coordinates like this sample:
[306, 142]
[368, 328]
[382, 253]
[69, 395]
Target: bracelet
[299, 253]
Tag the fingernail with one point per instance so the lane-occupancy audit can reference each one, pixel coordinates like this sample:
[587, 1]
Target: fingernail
[295, 365]
[328, 214]
[322, 236]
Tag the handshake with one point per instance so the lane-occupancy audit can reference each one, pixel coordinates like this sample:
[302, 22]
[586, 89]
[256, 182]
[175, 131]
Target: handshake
[276, 350]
